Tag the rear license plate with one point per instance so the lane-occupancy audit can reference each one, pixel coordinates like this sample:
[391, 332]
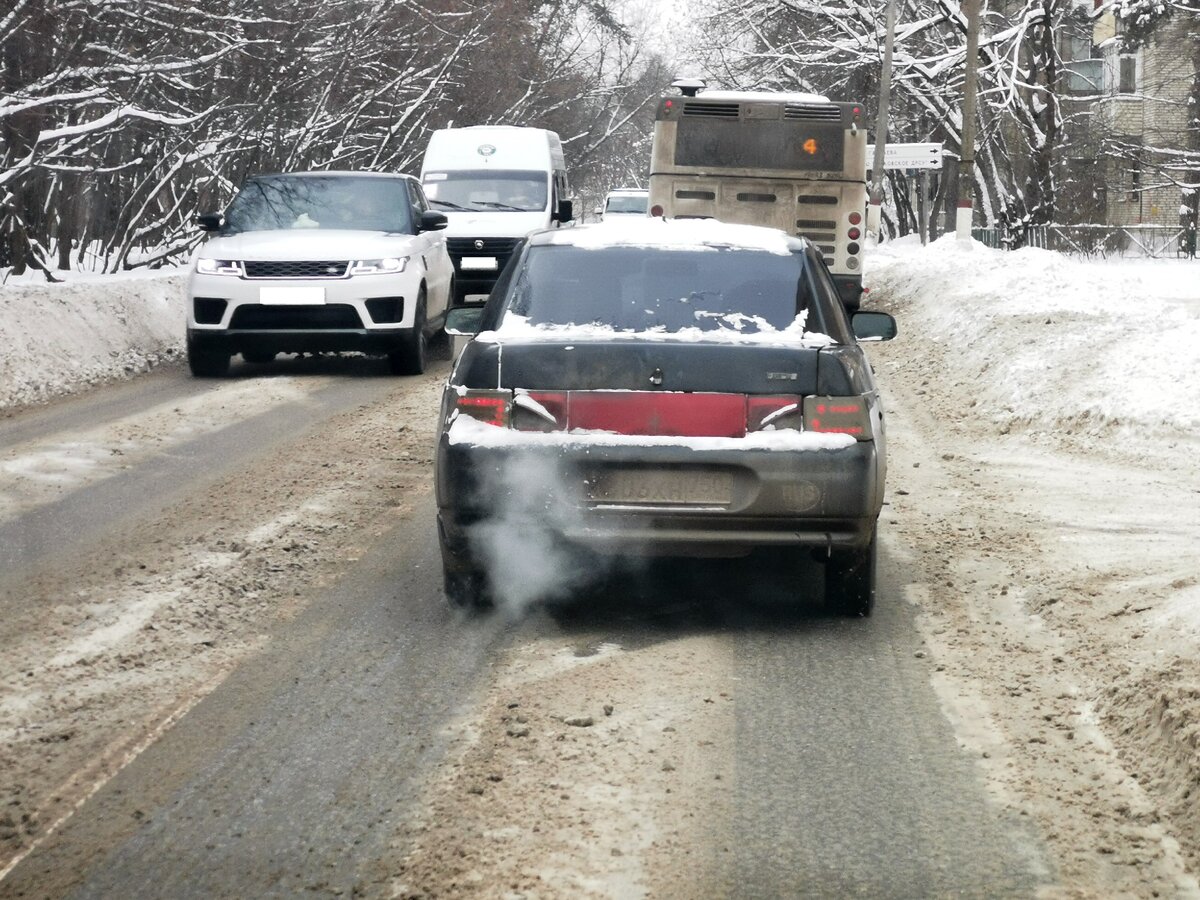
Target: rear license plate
[660, 488]
[479, 262]
[291, 296]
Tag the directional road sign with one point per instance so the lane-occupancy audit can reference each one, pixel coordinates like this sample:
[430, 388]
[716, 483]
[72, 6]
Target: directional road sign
[908, 156]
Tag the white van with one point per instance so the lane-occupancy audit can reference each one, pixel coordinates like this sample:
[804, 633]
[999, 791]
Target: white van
[495, 183]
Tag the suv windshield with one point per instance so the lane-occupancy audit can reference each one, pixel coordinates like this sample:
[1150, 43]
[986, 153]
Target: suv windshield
[506, 191]
[626, 204]
[650, 288]
[308, 201]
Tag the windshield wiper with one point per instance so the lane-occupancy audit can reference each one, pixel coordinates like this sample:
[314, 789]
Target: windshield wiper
[495, 205]
[449, 205]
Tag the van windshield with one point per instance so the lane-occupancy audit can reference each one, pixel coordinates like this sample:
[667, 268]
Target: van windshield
[492, 189]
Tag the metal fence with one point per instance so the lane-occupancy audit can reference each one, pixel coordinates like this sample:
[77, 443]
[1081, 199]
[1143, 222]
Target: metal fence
[1152, 241]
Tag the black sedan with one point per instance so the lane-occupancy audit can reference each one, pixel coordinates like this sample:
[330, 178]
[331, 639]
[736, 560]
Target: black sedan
[674, 388]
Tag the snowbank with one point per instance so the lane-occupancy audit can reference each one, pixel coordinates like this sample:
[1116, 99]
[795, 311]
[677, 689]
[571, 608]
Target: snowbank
[1036, 339]
[58, 338]
[1045, 342]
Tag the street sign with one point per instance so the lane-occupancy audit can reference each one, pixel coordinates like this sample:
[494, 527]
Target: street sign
[908, 156]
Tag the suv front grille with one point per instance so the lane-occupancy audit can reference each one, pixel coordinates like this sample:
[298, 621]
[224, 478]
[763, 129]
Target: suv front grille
[252, 316]
[321, 268]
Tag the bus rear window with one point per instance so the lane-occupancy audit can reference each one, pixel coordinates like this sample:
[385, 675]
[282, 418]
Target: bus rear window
[759, 145]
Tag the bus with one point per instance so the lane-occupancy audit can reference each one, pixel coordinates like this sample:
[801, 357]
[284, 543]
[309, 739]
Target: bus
[796, 162]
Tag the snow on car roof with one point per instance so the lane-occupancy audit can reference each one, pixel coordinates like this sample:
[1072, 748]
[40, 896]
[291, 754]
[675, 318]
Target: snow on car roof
[673, 234]
[467, 431]
[518, 328]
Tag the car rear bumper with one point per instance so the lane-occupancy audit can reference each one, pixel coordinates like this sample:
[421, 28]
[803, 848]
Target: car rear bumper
[826, 499]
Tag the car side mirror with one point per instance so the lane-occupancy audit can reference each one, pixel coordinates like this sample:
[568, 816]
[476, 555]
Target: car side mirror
[433, 221]
[565, 211]
[210, 221]
[873, 326]
[464, 321]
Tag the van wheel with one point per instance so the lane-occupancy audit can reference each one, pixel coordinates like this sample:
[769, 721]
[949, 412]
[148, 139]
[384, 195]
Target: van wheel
[410, 357]
[205, 362]
[850, 581]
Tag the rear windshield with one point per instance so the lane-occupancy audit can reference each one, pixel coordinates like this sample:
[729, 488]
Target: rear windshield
[660, 289]
[358, 204]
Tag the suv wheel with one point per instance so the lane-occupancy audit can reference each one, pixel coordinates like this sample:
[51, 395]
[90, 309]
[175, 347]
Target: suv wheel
[206, 362]
[850, 581]
[409, 358]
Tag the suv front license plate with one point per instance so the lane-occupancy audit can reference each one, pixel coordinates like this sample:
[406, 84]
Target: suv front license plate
[291, 296]
[660, 488]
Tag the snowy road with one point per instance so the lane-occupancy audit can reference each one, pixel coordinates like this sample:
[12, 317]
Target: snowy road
[312, 765]
[229, 670]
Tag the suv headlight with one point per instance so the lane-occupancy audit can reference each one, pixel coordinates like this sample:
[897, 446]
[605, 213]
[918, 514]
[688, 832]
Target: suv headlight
[390, 265]
[219, 267]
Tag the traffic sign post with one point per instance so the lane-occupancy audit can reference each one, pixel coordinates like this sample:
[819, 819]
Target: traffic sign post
[923, 157]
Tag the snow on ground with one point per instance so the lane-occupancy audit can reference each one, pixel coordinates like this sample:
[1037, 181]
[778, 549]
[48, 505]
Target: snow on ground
[59, 338]
[1118, 353]
[1099, 349]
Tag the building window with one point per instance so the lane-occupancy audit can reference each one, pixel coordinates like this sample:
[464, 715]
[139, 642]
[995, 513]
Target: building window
[1135, 185]
[1127, 80]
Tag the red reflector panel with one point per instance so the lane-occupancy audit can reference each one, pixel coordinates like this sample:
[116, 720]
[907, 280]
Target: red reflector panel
[837, 415]
[486, 406]
[649, 413]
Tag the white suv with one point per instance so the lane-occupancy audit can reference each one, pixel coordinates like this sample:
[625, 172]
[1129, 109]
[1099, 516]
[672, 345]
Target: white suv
[625, 202]
[319, 261]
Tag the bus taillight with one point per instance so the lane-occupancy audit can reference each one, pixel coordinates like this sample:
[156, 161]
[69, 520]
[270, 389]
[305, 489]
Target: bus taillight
[853, 234]
[854, 218]
[656, 210]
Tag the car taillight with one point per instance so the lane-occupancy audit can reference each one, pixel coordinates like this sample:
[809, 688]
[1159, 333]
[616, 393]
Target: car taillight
[539, 411]
[774, 411]
[838, 415]
[490, 407]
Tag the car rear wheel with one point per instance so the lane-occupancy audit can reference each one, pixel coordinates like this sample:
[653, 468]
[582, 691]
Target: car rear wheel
[206, 362]
[464, 581]
[850, 581]
[410, 357]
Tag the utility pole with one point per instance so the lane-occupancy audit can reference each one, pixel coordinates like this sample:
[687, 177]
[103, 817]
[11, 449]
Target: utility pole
[874, 211]
[966, 162]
